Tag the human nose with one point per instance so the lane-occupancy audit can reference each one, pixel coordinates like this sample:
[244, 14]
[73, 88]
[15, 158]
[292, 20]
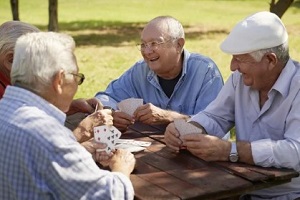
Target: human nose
[148, 49]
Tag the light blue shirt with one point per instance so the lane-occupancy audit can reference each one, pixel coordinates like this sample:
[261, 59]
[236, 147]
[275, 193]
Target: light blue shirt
[274, 130]
[41, 159]
[198, 85]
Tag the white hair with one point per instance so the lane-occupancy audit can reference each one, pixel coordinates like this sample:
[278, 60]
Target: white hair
[281, 51]
[171, 25]
[10, 31]
[39, 56]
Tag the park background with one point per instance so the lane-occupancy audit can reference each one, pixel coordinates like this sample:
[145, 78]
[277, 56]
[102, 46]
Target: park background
[106, 32]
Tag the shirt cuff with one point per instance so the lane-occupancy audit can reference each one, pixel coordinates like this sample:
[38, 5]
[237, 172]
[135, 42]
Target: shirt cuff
[262, 152]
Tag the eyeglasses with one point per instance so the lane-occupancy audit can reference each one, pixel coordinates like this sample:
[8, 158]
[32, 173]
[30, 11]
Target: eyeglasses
[79, 78]
[154, 45]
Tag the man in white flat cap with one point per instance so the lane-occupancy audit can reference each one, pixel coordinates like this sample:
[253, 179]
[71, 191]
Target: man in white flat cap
[261, 99]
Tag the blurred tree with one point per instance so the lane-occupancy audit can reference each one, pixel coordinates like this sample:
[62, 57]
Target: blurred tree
[53, 19]
[280, 6]
[14, 4]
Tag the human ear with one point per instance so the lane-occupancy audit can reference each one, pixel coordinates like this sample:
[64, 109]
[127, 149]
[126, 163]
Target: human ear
[180, 43]
[272, 58]
[58, 81]
[8, 60]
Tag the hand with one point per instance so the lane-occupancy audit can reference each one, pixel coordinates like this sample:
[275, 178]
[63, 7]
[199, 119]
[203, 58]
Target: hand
[122, 120]
[150, 114]
[122, 161]
[172, 137]
[91, 146]
[207, 147]
[85, 130]
[84, 106]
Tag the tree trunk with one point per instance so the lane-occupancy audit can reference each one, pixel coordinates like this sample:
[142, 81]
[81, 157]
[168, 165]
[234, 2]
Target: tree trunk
[280, 7]
[14, 4]
[53, 19]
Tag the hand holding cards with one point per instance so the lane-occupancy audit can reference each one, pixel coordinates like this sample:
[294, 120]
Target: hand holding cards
[185, 128]
[108, 135]
[130, 105]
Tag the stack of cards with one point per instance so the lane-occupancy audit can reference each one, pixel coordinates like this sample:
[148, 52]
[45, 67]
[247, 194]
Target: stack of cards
[132, 145]
[108, 135]
[130, 105]
[185, 128]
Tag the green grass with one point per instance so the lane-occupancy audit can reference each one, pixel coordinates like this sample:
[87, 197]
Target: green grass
[106, 31]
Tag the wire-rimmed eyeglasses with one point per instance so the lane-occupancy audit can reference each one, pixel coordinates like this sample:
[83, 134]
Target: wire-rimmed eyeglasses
[154, 45]
[79, 78]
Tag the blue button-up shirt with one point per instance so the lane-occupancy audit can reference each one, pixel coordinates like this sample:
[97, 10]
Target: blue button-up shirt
[274, 130]
[41, 159]
[198, 85]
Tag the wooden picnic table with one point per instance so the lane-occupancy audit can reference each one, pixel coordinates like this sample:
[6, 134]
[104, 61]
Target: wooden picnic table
[163, 174]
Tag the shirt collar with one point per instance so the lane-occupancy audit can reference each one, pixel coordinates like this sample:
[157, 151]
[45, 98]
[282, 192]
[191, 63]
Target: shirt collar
[283, 83]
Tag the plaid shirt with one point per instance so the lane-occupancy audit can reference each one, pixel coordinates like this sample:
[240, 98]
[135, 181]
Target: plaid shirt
[41, 159]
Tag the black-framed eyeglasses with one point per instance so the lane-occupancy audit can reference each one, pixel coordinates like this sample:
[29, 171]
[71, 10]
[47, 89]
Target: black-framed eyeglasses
[154, 45]
[79, 77]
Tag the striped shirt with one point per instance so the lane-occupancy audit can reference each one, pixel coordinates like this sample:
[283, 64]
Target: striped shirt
[41, 159]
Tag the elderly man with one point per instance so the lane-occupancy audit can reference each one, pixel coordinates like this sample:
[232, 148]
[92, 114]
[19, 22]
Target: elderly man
[10, 31]
[172, 82]
[261, 99]
[39, 157]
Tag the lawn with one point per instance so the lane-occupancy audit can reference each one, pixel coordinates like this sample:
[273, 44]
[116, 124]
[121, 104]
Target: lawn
[106, 31]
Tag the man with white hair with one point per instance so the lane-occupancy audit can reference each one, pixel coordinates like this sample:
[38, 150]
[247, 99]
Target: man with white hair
[261, 99]
[39, 157]
[172, 82]
[10, 31]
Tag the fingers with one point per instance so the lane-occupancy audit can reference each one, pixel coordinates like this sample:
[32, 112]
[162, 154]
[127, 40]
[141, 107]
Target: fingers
[122, 161]
[172, 137]
[95, 104]
[122, 120]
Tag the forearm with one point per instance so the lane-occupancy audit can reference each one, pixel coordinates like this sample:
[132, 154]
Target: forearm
[170, 116]
[245, 153]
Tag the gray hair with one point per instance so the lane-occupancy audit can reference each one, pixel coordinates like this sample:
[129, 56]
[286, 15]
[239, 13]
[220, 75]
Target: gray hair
[9, 33]
[281, 51]
[171, 25]
[39, 56]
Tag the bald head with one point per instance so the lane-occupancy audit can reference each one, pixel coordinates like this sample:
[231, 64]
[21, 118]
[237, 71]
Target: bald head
[169, 26]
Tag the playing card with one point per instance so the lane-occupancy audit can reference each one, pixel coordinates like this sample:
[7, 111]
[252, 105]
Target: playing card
[134, 142]
[185, 128]
[130, 105]
[108, 135]
[131, 148]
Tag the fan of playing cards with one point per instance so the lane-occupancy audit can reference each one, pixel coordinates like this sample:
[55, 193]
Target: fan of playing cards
[185, 128]
[130, 105]
[110, 136]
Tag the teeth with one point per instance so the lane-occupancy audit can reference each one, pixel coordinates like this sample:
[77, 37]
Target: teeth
[153, 59]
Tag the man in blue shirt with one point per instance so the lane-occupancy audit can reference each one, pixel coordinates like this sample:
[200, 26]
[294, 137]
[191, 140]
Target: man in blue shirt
[261, 99]
[172, 82]
[39, 157]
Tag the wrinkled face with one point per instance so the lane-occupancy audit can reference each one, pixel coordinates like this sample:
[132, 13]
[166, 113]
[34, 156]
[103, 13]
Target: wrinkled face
[255, 74]
[159, 50]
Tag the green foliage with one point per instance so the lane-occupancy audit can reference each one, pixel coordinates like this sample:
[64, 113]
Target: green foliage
[106, 31]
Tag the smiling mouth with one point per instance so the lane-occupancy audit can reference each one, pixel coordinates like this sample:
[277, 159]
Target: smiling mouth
[153, 59]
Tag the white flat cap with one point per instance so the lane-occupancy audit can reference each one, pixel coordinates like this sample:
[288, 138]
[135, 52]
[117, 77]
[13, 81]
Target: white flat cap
[261, 30]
